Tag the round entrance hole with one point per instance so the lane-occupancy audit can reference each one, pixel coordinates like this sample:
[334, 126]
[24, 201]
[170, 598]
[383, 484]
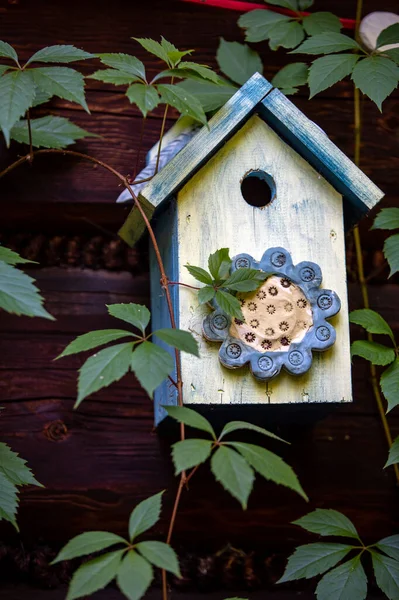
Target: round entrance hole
[258, 188]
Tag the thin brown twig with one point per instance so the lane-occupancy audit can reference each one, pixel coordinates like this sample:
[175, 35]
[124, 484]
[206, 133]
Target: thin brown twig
[192, 287]
[165, 114]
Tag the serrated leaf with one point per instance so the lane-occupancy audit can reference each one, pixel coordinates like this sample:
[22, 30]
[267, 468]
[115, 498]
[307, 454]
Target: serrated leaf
[270, 466]
[239, 425]
[154, 48]
[88, 543]
[371, 321]
[376, 353]
[386, 571]
[387, 218]
[287, 35]
[3, 69]
[326, 43]
[328, 70]
[19, 295]
[202, 70]
[219, 264]
[151, 365]
[14, 467]
[59, 54]
[183, 101]
[393, 459]
[182, 340]
[320, 22]
[238, 61]
[313, 559]
[134, 576]
[377, 77]
[390, 545]
[94, 575]
[49, 132]
[135, 314]
[7, 51]
[199, 274]
[173, 53]
[144, 96]
[12, 258]
[114, 76]
[190, 453]
[393, 54]
[103, 368]
[390, 35]
[229, 304]
[391, 252]
[210, 95]
[259, 23]
[124, 62]
[63, 82]
[190, 417]
[8, 501]
[290, 4]
[145, 515]
[326, 521]
[93, 339]
[291, 76]
[17, 92]
[390, 384]
[245, 280]
[234, 473]
[206, 294]
[346, 582]
[161, 555]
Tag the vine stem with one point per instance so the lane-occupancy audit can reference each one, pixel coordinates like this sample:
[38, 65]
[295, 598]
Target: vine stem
[359, 252]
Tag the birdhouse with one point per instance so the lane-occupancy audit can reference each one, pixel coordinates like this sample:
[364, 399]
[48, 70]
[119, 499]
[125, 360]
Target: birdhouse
[268, 184]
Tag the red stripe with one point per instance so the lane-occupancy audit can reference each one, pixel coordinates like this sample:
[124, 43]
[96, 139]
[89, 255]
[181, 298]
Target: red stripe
[247, 6]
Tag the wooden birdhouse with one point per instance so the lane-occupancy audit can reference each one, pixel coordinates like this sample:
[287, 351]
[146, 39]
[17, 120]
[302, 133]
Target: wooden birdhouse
[267, 183]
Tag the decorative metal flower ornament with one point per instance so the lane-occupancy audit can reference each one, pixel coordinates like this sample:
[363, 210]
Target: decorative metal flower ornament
[285, 318]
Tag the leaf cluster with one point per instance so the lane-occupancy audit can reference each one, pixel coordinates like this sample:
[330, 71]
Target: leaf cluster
[233, 463]
[149, 361]
[348, 580]
[131, 564]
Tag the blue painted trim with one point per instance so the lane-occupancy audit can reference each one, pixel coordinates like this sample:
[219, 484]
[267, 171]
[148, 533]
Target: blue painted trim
[165, 228]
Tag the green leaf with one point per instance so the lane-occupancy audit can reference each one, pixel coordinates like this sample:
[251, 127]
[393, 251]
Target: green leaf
[202, 70]
[270, 466]
[90, 340]
[154, 48]
[134, 576]
[145, 515]
[7, 51]
[114, 76]
[305, 4]
[161, 555]
[12, 258]
[386, 573]
[94, 575]
[390, 35]
[190, 417]
[3, 69]
[290, 4]
[174, 55]
[103, 368]
[239, 425]
[328, 70]
[49, 132]
[151, 365]
[234, 473]
[182, 340]
[41, 97]
[219, 264]
[259, 23]
[313, 559]
[87, 543]
[287, 35]
[135, 314]
[14, 467]
[393, 459]
[238, 61]
[371, 321]
[377, 77]
[245, 280]
[326, 43]
[376, 353]
[393, 54]
[291, 76]
[387, 218]
[210, 95]
[183, 101]
[17, 92]
[144, 96]
[125, 63]
[190, 453]
[199, 274]
[326, 521]
[63, 82]
[229, 304]
[8, 501]
[390, 384]
[391, 252]
[390, 545]
[320, 22]
[19, 295]
[59, 54]
[346, 582]
[206, 294]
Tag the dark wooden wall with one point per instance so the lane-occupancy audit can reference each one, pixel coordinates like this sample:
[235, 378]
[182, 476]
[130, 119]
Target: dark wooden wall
[97, 462]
